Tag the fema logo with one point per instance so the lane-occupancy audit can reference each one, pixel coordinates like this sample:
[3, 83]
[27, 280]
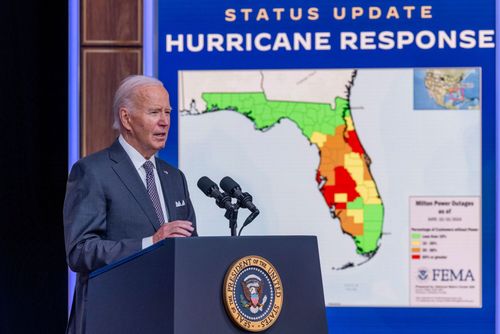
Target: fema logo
[423, 274]
[253, 294]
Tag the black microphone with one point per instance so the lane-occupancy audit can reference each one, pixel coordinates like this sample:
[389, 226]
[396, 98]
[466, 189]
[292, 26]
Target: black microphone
[209, 188]
[234, 190]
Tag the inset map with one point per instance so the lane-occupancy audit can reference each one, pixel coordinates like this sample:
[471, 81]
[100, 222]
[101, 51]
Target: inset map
[448, 89]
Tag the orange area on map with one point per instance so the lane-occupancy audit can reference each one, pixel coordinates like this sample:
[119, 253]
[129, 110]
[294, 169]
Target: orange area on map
[343, 175]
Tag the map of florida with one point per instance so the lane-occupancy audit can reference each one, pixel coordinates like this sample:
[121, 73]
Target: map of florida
[343, 175]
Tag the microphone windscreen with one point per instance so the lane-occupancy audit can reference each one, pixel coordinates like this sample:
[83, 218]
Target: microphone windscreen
[205, 184]
[228, 184]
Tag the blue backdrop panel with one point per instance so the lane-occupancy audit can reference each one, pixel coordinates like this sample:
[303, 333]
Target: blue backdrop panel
[208, 17]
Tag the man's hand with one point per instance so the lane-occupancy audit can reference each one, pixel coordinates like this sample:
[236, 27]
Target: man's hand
[174, 229]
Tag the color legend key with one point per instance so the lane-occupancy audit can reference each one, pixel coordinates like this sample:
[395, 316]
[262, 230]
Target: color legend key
[415, 243]
[444, 273]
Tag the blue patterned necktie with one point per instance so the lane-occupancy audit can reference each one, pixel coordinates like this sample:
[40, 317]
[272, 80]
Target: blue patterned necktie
[153, 193]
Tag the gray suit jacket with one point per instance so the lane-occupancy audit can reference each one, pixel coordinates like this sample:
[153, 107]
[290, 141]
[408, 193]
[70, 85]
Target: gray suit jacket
[107, 213]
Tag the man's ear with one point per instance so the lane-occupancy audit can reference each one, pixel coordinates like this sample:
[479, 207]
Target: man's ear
[125, 118]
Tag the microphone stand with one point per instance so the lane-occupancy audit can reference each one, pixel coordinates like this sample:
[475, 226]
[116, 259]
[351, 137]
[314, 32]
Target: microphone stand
[249, 219]
[232, 215]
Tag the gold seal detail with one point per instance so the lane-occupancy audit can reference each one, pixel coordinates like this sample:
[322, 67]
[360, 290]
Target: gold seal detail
[253, 293]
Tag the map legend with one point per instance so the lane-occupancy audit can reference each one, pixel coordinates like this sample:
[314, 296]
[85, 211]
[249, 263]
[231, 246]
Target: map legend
[445, 270]
[415, 243]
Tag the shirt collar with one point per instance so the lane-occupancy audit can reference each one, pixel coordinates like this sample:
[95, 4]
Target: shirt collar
[137, 159]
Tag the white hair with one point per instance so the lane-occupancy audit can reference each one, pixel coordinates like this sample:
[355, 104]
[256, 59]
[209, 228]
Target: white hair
[125, 94]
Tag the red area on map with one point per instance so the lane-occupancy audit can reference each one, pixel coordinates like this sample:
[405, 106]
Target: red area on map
[353, 141]
[344, 183]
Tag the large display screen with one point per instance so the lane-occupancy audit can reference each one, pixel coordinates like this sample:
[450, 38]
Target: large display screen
[370, 125]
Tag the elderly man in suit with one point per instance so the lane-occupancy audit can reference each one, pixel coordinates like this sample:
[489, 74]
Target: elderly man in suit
[124, 199]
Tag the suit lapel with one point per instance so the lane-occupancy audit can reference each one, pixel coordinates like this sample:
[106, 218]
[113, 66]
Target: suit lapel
[166, 187]
[128, 175]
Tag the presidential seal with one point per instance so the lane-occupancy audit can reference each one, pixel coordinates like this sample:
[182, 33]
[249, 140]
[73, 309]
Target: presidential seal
[253, 293]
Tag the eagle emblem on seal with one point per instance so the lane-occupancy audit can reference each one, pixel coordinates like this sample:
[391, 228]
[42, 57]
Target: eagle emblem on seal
[252, 290]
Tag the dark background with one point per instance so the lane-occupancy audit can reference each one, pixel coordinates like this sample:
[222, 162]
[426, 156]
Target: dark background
[33, 141]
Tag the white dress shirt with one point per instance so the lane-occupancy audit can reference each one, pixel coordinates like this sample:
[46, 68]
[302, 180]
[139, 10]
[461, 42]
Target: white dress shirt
[138, 160]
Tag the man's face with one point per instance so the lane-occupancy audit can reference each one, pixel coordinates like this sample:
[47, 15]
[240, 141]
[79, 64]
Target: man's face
[149, 123]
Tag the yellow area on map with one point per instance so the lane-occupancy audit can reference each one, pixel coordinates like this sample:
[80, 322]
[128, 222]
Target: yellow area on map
[354, 164]
[368, 192]
[365, 188]
[356, 214]
[318, 139]
[373, 193]
[350, 125]
[340, 198]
